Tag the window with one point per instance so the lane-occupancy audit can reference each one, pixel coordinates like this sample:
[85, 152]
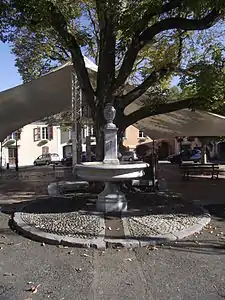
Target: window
[141, 134]
[70, 134]
[43, 133]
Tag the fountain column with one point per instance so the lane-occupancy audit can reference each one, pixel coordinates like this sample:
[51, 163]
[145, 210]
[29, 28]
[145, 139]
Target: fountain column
[111, 199]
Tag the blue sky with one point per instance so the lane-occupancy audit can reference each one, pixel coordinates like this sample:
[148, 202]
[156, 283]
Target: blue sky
[9, 77]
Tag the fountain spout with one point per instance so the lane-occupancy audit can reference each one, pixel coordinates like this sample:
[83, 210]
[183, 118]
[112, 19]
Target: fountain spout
[110, 136]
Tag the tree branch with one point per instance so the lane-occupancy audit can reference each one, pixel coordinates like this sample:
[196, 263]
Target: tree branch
[59, 23]
[63, 50]
[180, 23]
[149, 111]
[147, 36]
[166, 8]
[143, 87]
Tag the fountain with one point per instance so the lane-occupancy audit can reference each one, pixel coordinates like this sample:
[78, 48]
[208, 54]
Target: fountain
[110, 171]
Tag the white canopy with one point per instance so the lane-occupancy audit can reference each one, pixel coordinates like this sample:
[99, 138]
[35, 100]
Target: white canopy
[45, 96]
[183, 122]
[51, 94]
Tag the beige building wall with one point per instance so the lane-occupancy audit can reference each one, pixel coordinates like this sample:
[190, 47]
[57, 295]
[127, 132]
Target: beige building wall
[132, 139]
[28, 149]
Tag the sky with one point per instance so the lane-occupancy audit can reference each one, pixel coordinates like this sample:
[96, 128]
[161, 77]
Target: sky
[9, 77]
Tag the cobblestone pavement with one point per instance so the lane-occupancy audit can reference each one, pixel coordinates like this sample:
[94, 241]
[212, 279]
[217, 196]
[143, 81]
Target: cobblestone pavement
[149, 217]
[189, 269]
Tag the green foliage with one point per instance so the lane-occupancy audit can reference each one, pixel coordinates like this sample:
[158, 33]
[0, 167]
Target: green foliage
[47, 33]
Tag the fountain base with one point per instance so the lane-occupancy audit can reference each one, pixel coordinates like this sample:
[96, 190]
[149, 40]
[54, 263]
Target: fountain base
[111, 199]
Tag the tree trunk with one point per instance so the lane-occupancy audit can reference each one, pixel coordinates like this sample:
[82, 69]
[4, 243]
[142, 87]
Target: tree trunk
[120, 136]
[99, 134]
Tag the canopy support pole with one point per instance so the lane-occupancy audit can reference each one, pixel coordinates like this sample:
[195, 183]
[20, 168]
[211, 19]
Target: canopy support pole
[76, 121]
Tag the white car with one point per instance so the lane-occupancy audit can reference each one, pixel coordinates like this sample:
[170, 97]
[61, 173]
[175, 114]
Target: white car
[129, 156]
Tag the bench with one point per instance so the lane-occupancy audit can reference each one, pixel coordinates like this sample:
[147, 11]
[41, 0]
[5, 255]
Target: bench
[199, 169]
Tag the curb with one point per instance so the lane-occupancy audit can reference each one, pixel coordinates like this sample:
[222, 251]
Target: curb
[55, 239]
[102, 242]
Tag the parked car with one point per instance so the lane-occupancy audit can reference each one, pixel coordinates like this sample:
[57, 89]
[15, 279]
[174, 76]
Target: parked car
[190, 155]
[129, 156]
[67, 161]
[196, 155]
[47, 159]
[84, 157]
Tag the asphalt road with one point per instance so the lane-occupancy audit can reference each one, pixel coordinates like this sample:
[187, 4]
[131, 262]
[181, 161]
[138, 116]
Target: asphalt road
[191, 269]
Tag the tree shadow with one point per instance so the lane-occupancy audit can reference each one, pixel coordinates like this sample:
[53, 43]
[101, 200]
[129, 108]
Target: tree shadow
[208, 247]
[217, 211]
[138, 205]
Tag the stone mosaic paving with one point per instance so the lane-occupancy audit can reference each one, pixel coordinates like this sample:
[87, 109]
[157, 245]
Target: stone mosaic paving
[72, 224]
[147, 216]
[154, 224]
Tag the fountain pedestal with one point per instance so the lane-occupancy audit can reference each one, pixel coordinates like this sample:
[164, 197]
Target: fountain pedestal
[111, 199]
[110, 171]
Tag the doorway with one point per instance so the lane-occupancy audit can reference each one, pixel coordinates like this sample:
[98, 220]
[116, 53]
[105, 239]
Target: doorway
[45, 150]
[164, 150]
[12, 156]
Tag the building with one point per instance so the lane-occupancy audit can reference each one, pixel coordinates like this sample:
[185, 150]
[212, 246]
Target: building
[36, 139]
[31, 141]
[134, 137]
[39, 138]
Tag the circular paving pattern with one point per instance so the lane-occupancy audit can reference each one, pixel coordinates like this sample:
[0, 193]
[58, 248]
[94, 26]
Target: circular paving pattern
[161, 224]
[75, 220]
[72, 224]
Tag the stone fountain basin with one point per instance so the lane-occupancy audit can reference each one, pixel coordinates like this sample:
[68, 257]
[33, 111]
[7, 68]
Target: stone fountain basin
[99, 171]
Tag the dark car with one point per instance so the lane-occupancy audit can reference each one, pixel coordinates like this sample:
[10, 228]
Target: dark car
[190, 155]
[67, 161]
[47, 159]
[175, 158]
[84, 157]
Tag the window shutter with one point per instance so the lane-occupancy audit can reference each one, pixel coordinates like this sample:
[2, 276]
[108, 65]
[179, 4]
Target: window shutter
[34, 134]
[38, 133]
[50, 132]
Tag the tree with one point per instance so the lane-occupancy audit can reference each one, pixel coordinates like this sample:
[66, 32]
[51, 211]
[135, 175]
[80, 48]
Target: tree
[141, 43]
